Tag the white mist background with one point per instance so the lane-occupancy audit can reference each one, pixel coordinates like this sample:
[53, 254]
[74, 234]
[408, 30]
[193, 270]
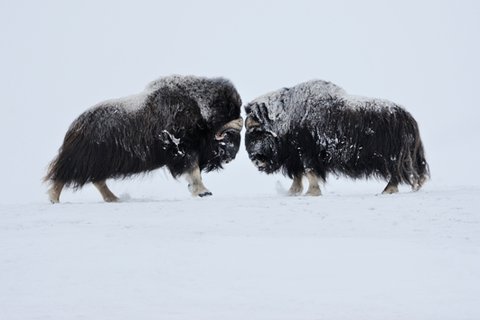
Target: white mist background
[58, 58]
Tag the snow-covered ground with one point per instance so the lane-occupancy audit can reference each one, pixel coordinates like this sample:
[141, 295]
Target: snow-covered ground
[341, 256]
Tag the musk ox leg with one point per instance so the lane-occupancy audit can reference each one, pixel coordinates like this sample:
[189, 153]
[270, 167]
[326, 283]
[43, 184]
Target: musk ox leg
[107, 195]
[392, 187]
[297, 186]
[195, 184]
[54, 192]
[313, 188]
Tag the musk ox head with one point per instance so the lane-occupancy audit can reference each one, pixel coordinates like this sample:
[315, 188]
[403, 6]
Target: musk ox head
[227, 140]
[262, 143]
[219, 122]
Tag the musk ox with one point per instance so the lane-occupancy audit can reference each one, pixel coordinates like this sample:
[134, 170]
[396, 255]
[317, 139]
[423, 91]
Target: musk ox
[316, 128]
[185, 123]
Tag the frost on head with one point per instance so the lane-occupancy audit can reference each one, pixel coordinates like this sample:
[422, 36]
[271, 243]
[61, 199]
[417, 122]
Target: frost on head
[280, 110]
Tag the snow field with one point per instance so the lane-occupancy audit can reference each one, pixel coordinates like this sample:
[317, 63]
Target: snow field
[361, 256]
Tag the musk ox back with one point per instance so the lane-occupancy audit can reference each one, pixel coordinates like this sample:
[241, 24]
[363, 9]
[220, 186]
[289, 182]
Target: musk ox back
[185, 123]
[316, 128]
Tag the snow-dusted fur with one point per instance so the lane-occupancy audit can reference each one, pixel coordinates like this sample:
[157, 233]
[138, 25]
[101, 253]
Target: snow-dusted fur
[171, 123]
[317, 126]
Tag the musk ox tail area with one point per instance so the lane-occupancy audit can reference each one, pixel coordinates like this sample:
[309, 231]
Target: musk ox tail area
[73, 166]
[412, 166]
[422, 168]
[101, 144]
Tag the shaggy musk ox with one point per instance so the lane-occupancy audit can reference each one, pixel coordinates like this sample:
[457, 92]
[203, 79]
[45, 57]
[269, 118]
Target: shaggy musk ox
[316, 128]
[185, 123]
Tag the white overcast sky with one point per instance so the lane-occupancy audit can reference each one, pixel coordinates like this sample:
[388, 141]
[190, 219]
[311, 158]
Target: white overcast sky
[60, 57]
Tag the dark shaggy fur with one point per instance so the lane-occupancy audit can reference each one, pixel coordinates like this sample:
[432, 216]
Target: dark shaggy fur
[317, 126]
[172, 123]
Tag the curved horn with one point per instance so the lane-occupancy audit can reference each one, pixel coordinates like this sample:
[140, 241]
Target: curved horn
[234, 125]
[250, 123]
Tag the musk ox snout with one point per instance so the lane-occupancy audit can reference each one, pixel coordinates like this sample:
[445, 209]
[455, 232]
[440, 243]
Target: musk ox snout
[263, 150]
[228, 146]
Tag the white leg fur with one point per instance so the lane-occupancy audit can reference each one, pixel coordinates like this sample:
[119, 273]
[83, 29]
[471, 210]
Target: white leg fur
[54, 192]
[313, 188]
[195, 184]
[297, 186]
[107, 195]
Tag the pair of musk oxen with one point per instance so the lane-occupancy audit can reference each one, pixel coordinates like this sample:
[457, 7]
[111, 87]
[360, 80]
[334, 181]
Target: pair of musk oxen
[191, 124]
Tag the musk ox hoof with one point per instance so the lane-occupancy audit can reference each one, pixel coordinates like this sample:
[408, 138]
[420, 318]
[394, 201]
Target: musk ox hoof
[313, 192]
[390, 190]
[54, 192]
[199, 190]
[419, 183]
[293, 192]
[111, 199]
[205, 194]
